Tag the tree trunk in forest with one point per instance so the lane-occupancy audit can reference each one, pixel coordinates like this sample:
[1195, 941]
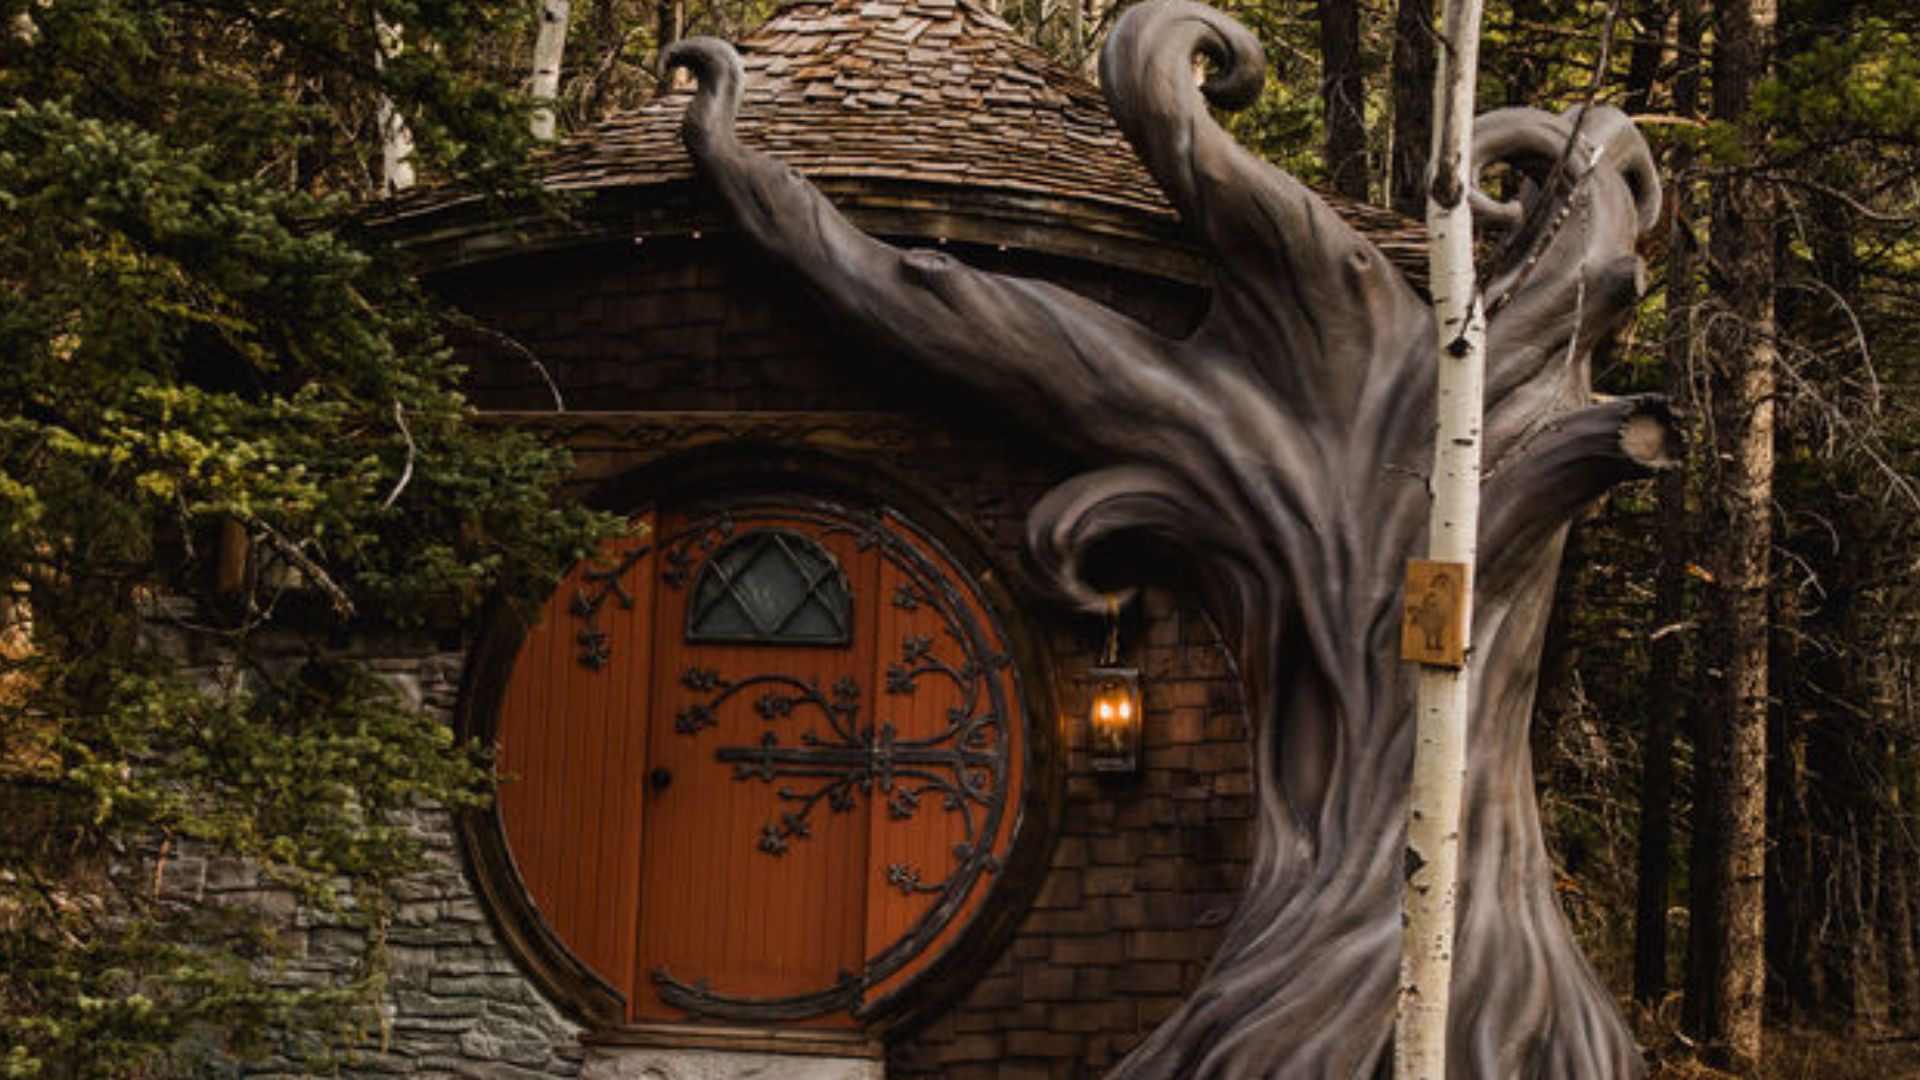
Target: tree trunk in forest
[1803, 868]
[396, 138]
[1453, 530]
[1741, 351]
[669, 25]
[1896, 911]
[1649, 26]
[1343, 93]
[1667, 696]
[1524, 72]
[1078, 53]
[1866, 959]
[603, 29]
[1665, 704]
[1412, 106]
[549, 48]
[1285, 444]
[604, 41]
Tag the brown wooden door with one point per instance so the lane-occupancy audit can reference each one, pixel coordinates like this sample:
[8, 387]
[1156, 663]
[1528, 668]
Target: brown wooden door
[754, 879]
[763, 766]
[572, 752]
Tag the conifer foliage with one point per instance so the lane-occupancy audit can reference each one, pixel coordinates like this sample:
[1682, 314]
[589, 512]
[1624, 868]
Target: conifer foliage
[230, 440]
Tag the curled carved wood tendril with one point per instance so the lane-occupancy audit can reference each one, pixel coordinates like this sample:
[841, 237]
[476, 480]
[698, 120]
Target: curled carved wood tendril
[1285, 444]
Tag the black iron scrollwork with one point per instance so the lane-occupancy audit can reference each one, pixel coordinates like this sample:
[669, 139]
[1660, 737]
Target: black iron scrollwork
[700, 1000]
[597, 584]
[906, 878]
[684, 549]
[964, 765]
[963, 769]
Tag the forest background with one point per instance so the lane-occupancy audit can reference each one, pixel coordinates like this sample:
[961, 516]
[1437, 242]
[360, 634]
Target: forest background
[204, 352]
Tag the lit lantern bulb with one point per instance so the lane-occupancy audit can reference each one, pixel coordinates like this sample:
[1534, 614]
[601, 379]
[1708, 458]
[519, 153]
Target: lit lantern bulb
[1114, 719]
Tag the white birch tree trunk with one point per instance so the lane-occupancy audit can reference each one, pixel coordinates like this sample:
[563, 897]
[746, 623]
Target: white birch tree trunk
[549, 47]
[1440, 734]
[396, 138]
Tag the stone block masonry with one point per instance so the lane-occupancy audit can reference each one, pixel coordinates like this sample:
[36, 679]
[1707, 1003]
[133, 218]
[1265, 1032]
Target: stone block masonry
[455, 1004]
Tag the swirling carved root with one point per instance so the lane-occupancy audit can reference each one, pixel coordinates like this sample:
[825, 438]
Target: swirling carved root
[1282, 445]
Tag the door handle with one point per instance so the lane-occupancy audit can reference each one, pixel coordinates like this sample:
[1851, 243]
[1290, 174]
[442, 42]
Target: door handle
[659, 778]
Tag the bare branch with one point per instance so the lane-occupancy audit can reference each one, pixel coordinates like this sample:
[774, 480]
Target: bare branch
[406, 472]
[315, 574]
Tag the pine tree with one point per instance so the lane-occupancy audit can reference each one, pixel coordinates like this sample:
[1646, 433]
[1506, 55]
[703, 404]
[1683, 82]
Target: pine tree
[228, 431]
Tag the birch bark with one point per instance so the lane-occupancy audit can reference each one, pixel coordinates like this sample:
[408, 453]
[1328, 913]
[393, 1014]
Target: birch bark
[396, 138]
[549, 47]
[1440, 731]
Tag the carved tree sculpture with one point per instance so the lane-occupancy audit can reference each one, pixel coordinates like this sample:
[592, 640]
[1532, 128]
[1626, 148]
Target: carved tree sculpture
[1285, 444]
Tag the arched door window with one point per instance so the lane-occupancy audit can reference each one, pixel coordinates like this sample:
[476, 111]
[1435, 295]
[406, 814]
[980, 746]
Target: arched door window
[763, 762]
[771, 587]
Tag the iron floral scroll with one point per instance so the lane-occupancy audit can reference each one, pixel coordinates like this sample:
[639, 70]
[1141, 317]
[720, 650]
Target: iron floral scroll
[1285, 444]
[828, 750]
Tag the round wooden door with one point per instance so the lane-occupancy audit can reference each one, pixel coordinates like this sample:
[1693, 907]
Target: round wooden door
[763, 761]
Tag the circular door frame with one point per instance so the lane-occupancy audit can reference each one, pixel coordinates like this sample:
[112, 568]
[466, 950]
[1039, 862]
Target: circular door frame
[775, 468]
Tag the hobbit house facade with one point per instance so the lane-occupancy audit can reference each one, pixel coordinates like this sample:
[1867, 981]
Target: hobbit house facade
[644, 897]
[797, 776]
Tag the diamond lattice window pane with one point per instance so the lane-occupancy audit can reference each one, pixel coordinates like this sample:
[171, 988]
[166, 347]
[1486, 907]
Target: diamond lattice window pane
[771, 587]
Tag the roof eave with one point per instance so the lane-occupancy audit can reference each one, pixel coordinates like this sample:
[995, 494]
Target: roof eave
[467, 233]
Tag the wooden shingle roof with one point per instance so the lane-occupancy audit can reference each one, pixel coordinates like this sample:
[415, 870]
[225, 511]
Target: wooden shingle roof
[940, 91]
[937, 99]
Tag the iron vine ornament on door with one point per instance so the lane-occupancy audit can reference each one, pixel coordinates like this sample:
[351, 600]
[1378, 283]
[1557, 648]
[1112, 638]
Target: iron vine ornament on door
[965, 765]
[1284, 444]
[850, 764]
[598, 585]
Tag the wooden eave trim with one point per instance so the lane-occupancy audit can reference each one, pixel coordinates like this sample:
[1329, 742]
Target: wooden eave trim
[637, 436]
[471, 233]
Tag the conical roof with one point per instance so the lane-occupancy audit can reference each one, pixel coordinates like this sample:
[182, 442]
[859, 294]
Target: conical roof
[899, 108]
[940, 91]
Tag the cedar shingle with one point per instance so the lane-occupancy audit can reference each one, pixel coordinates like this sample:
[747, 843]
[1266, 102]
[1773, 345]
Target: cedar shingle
[907, 90]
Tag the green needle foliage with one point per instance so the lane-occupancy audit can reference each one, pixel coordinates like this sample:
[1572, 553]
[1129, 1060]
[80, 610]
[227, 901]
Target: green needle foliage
[231, 439]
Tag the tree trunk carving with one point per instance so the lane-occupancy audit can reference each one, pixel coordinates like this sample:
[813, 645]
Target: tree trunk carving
[1285, 443]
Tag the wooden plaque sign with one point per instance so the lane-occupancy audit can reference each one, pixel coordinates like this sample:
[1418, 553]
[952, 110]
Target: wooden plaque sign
[1433, 630]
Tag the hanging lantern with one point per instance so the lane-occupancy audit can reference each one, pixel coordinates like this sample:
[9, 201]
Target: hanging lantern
[1115, 713]
[1114, 719]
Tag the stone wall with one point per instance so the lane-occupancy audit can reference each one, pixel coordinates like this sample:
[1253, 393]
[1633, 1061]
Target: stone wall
[456, 1004]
